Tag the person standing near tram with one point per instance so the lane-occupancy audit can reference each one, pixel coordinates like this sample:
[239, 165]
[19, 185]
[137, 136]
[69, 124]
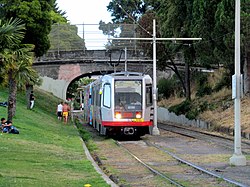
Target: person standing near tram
[66, 110]
[59, 111]
[32, 100]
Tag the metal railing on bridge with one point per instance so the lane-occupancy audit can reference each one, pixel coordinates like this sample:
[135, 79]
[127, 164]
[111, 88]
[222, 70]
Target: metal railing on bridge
[93, 41]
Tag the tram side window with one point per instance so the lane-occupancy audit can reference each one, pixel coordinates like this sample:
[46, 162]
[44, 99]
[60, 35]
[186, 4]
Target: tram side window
[107, 96]
[91, 99]
[98, 96]
[149, 96]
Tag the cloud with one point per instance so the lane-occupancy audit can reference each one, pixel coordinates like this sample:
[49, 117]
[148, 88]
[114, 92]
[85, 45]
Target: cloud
[85, 11]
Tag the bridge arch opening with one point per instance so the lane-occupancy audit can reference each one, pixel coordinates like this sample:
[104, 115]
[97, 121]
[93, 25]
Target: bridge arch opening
[72, 91]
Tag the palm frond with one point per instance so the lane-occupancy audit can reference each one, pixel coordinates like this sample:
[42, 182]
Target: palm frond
[11, 33]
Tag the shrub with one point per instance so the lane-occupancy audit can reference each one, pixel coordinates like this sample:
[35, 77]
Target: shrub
[204, 90]
[166, 87]
[181, 108]
[203, 86]
[224, 82]
[192, 114]
[187, 108]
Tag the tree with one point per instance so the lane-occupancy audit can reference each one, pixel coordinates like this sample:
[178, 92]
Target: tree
[18, 70]
[203, 24]
[16, 59]
[224, 34]
[73, 88]
[126, 11]
[165, 54]
[57, 15]
[144, 16]
[175, 18]
[37, 16]
[126, 14]
[64, 36]
[213, 21]
[245, 16]
[11, 32]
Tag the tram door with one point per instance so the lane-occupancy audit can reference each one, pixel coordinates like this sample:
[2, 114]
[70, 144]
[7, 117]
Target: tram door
[106, 109]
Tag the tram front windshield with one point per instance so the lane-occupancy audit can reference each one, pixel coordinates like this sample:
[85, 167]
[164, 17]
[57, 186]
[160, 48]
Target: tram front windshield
[128, 94]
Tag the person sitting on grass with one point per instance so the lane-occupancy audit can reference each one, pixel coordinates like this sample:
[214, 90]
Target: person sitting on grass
[7, 127]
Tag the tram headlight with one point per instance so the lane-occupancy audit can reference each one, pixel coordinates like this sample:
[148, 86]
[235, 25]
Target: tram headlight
[118, 115]
[138, 115]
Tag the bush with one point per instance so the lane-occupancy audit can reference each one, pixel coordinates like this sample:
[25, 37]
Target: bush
[181, 108]
[187, 108]
[204, 90]
[203, 86]
[224, 82]
[166, 87]
[192, 114]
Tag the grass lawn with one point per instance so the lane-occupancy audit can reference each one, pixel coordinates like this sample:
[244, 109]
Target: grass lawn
[46, 152]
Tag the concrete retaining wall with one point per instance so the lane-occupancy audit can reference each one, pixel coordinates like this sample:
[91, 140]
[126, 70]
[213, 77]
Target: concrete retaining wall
[164, 115]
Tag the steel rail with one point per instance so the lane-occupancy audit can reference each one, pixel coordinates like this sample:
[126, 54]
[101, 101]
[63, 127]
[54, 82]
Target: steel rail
[228, 144]
[150, 168]
[247, 142]
[198, 167]
[186, 134]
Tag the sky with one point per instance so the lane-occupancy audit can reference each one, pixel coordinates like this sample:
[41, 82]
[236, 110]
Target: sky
[87, 12]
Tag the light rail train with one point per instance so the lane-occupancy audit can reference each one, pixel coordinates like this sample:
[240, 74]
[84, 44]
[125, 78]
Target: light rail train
[120, 104]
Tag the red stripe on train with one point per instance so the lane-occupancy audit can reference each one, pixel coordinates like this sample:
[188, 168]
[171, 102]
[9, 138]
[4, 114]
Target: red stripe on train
[126, 123]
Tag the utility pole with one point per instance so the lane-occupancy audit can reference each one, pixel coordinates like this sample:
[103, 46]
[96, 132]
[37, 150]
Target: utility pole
[58, 41]
[237, 159]
[83, 38]
[155, 127]
[154, 39]
[126, 60]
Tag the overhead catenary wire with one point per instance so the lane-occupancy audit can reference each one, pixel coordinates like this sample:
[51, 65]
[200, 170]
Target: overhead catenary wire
[129, 16]
[194, 43]
[134, 20]
[89, 32]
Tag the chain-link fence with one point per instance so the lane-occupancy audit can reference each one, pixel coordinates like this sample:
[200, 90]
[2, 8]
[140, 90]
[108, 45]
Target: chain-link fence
[66, 37]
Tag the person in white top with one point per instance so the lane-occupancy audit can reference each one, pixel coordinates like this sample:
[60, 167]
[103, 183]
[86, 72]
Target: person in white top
[59, 111]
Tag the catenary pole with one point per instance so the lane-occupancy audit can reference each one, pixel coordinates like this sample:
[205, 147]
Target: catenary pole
[155, 130]
[126, 60]
[83, 37]
[237, 159]
[155, 127]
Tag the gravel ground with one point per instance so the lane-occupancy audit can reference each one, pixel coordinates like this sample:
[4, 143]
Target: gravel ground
[117, 164]
[206, 155]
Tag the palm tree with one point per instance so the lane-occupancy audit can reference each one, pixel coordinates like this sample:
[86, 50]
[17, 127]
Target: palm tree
[16, 61]
[18, 71]
[11, 33]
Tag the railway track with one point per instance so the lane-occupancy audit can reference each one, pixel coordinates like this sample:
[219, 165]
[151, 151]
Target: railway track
[157, 160]
[199, 175]
[150, 168]
[223, 141]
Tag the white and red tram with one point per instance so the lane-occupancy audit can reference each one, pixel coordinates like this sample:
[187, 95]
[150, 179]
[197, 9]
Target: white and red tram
[120, 104]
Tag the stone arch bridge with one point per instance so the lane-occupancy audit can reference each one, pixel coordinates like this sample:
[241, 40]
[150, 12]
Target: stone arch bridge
[58, 69]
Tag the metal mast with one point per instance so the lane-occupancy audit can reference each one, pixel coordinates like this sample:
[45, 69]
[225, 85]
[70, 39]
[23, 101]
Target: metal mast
[237, 159]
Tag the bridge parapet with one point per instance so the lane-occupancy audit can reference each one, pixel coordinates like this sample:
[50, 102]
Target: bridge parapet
[58, 69]
[91, 55]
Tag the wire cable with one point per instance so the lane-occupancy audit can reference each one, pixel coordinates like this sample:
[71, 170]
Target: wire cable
[133, 19]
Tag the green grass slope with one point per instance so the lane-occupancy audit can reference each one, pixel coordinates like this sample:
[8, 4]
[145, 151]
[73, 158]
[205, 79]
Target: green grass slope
[46, 152]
